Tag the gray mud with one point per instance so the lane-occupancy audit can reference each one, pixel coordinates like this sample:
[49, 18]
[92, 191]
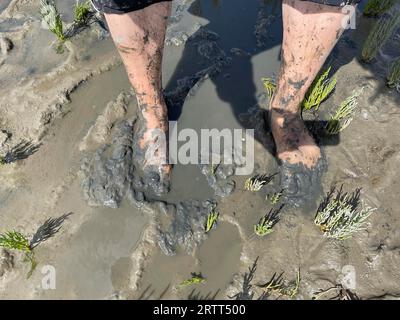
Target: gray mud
[301, 185]
[217, 260]
[129, 240]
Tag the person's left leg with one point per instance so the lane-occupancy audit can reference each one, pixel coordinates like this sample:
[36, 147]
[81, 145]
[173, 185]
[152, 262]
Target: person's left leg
[311, 30]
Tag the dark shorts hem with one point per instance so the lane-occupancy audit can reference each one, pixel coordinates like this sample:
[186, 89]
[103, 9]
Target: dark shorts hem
[336, 3]
[123, 6]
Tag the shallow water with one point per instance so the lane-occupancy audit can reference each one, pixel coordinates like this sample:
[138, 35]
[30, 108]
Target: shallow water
[93, 252]
[217, 260]
[106, 235]
[102, 241]
[86, 103]
[4, 4]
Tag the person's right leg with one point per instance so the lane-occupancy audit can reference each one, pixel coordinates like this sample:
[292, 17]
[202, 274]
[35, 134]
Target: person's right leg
[139, 37]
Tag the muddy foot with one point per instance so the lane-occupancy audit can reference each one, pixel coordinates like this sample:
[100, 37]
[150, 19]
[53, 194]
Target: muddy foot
[301, 160]
[294, 144]
[301, 184]
[151, 149]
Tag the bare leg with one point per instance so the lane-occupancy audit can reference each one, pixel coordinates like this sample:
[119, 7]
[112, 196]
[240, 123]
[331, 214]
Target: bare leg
[139, 37]
[310, 32]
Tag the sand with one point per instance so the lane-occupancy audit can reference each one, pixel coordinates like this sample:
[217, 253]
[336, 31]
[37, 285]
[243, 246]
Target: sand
[73, 104]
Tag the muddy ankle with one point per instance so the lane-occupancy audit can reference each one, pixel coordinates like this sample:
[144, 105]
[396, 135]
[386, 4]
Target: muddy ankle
[151, 145]
[307, 155]
[151, 155]
[294, 143]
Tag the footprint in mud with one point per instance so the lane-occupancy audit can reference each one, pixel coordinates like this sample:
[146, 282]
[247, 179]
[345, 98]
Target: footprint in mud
[6, 262]
[151, 158]
[301, 185]
[112, 173]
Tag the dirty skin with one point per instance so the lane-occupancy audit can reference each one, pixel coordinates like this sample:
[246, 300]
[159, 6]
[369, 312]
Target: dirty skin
[302, 57]
[157, 179]
[301, 183]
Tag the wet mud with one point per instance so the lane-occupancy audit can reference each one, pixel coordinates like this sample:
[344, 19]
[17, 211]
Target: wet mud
[128, 238]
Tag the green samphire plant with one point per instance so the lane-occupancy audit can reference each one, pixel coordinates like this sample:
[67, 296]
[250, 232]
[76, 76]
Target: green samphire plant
[81, 12]
[379, 35]
[277, 286]
[340, 217]
[52, 18]
[393, 78]
[375, 8]
[266, 224]
[256, 182]
[212, 219]
[270, 86]
[14, 240]
[344, 114]
[196, 278]
[319, 91]
[275, 197]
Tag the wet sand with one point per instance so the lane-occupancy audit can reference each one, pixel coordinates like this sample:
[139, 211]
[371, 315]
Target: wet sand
[74, 102]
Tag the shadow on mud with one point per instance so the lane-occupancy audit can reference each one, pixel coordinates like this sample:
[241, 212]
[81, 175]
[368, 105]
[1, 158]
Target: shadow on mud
[222, 51]
[48, 229]
[196, 295]
[148, 293]
[246, 293]
[21, 151]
